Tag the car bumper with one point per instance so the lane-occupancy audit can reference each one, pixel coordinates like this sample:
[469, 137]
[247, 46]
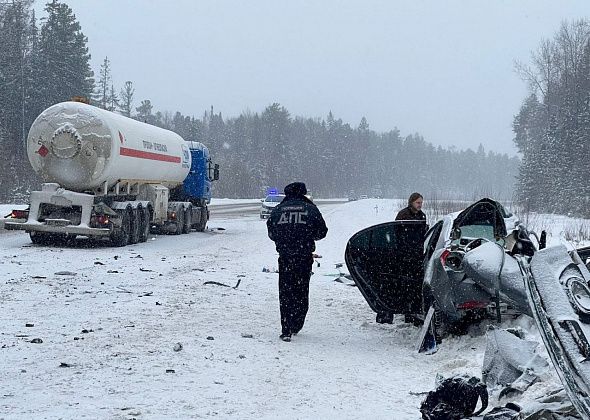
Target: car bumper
[265, 212]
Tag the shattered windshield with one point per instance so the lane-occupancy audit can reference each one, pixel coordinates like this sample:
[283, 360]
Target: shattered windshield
[476, 231]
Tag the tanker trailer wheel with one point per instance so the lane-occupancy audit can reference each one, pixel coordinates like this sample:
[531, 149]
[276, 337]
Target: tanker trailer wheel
[39, 238]
[120, 235]
[179, 221]
[135, 226]
[188, 220]
[203, 220]
[144, 226]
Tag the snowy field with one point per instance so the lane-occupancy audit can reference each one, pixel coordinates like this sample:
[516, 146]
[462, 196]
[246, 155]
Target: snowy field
[137, 332]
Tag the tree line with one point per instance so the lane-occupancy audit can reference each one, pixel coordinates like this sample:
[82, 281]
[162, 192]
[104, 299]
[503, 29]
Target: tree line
[552, 129]
[50, 63]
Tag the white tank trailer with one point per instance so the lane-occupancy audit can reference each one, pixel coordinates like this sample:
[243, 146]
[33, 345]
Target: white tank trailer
[106, 175]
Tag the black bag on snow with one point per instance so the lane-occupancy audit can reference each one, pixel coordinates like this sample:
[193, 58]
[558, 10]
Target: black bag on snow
[455, 398]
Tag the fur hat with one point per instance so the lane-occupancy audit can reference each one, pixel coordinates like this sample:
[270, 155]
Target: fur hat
[295, 189]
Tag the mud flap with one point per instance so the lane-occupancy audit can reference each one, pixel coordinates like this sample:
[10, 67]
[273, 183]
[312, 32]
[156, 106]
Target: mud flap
[426, 342]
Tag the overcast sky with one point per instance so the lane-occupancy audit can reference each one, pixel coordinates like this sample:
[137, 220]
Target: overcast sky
[444, 69]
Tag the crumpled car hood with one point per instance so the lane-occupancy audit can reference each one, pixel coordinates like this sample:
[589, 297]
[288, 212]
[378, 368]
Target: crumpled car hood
[483, 263]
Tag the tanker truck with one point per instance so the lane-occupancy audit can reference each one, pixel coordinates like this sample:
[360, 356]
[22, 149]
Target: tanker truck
[109, 176]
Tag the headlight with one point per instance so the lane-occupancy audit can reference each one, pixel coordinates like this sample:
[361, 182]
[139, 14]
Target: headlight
[579, 296]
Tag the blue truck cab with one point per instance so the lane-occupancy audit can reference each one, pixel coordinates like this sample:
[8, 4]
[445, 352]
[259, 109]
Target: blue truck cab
[188, 205]
[197, 185]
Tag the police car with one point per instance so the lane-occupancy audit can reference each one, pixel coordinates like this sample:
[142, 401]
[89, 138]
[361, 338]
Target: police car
[269, 203]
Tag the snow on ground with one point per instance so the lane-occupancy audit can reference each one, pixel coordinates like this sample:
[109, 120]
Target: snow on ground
[110, 319]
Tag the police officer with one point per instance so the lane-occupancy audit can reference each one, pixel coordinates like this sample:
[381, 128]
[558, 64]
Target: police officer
[294, 225]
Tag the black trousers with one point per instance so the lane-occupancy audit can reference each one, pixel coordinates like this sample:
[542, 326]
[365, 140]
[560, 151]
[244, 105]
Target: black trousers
[294, 275]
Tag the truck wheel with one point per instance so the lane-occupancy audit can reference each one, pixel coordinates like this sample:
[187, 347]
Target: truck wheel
[188, 220]
[135, 226]
[120, 235]
[38, 238]
[144, 226]
[69, 239]
[203, 220]
[57, 239]
[179, 221]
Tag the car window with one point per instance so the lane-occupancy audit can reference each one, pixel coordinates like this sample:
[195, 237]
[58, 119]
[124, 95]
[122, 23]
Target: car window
[383, 238]
[431, 239]
[274, 198]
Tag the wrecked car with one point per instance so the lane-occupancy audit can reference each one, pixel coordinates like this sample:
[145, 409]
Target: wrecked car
[556, 283]
[464, 266]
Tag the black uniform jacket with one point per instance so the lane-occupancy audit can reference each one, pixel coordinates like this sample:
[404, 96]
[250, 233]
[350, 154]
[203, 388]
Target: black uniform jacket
[294, 225]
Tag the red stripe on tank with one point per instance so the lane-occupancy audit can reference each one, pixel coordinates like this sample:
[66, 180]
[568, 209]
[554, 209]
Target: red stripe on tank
[124, 151]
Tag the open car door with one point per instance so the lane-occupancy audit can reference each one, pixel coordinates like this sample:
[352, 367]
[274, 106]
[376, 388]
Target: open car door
[385, 261]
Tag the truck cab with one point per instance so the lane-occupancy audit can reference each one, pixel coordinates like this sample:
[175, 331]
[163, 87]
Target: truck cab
[196, 188]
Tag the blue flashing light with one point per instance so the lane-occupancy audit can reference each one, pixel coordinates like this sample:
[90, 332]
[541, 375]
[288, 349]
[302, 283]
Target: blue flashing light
[272, 191]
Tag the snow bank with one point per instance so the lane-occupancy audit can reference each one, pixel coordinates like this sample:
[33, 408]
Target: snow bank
[110, 318]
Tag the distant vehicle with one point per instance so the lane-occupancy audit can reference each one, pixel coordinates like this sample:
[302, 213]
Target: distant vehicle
[376, 192]
[465, 266]
[269, 203]
[363, 197]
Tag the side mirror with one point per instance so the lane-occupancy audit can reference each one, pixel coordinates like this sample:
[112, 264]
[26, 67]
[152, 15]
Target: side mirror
[456, 234]
[212, 171]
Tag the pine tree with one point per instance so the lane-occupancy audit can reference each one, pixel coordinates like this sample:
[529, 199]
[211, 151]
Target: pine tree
[14, 39]
[144, 112]
[64, 61]
[17, 39]
[113, 99]
[126, 99]
[104, 93]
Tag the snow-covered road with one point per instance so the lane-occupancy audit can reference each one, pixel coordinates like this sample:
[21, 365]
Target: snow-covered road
[110, 320]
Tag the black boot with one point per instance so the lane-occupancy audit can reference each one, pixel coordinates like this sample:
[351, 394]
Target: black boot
[384, 318]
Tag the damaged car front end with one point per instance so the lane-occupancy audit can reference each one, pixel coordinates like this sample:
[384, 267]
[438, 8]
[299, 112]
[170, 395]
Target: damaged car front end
[464, 267]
